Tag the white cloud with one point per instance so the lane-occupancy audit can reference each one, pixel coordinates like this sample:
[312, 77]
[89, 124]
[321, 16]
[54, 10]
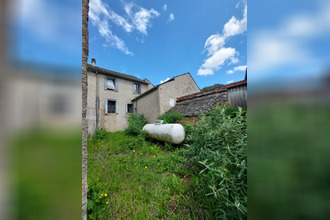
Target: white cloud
[205, 72]
[290, 44]
[165, 7]
[218, 58]
[128, 8]
[99, 16]
[235, 26]
[120, 21]
[167, 79]
[237, 68]
[136, 18]
[240, 68]
[142, 19]
[230, 81]
[214, 45]
[171, 17]
[215, 61]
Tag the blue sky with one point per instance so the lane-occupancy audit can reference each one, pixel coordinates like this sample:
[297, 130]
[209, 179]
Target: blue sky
[161, 39]
[46, 32]
[288, 43]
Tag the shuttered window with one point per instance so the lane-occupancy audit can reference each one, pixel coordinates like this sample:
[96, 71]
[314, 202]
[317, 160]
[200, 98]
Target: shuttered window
[130, 108]
[110, 84]
[111, 106]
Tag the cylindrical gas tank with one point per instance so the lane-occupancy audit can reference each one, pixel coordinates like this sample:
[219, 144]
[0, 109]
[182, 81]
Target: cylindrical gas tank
[172, 133]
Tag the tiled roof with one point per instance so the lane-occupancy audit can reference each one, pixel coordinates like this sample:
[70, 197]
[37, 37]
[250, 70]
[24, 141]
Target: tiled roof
[100, 70]
[235, 84]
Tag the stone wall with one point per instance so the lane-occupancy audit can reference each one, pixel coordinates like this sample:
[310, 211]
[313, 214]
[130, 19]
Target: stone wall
[191, 107]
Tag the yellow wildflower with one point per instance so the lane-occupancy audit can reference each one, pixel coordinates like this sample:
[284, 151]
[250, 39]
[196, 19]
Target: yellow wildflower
[107, 203]
[154, 156]
[146, 167]
[105, 194]
[101, 195]
[133, 151]
[141, 153]
[225, 169]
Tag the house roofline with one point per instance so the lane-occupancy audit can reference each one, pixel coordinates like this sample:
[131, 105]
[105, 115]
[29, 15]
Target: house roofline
[100, 70]
[154, 88]
[218, 89]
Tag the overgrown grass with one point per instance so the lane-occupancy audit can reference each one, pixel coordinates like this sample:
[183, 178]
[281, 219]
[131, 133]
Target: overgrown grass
[130, 177]
[141, 180]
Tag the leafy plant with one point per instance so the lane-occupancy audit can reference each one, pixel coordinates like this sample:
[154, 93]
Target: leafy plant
[135, 124]
[217, 151]
[171, 117]
[232, 111]
[100, 134]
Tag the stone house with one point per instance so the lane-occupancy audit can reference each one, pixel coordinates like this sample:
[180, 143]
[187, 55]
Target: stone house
[109, 97]
[159, 99]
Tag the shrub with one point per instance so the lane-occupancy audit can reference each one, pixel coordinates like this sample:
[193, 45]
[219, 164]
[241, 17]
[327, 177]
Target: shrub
[217, 151]
[171, 117]
[232, 111]
[135, 124]
[100, 134]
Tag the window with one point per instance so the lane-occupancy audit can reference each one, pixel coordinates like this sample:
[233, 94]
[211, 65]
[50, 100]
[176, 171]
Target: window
[172, 103]
[130, 108]
[110, 84]
[111, 106]
[136, 88]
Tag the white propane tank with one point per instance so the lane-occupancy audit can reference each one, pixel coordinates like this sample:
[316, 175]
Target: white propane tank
[172, 133]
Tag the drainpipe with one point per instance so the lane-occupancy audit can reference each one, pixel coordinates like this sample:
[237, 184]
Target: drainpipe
[97, 95]
[97, 101]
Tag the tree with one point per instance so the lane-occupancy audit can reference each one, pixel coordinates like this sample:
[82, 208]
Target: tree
[211, 87]
[85, 9]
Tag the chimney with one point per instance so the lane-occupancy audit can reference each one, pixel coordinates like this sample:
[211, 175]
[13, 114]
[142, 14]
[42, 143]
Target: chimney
[93, 61]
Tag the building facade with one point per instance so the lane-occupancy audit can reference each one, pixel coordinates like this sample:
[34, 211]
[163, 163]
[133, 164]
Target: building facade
[109, 98]
[159, 99]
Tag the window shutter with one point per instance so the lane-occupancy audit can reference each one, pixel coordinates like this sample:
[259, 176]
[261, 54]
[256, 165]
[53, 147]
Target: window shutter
[126, 108]
[116, 85]
[116, 107]
[106, 107]
[133, 88]
[105, 83]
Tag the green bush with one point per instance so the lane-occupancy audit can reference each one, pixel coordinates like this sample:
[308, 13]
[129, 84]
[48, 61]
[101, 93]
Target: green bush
[232, 111]
[217, 152]
[171, 117]
[100, 134]
[135, 124]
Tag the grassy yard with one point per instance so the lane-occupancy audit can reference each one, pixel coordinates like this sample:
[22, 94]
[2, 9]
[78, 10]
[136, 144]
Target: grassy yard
[131, 177]
[137, 179]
